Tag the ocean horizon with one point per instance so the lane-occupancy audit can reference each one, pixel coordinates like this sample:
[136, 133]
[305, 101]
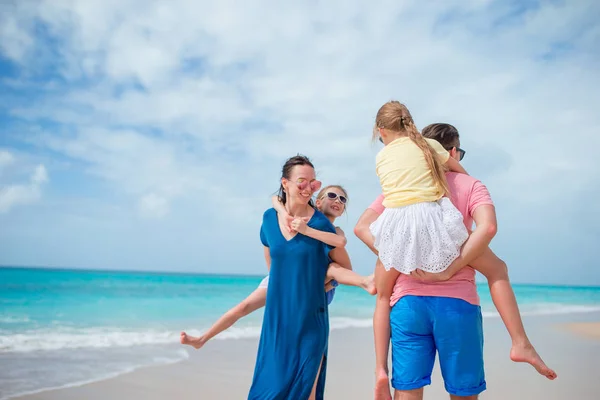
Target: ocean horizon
[69, 326]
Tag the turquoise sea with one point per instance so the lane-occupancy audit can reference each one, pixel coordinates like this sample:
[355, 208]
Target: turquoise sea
[67, 327]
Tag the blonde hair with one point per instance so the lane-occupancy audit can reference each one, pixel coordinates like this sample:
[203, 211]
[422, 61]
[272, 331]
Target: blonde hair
[395, 117]
[324, 191]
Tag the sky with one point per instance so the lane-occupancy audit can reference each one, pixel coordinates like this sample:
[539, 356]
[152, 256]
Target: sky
[150, 135]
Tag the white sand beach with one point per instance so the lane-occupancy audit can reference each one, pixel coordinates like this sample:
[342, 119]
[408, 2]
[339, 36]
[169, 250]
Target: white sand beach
[223, 369]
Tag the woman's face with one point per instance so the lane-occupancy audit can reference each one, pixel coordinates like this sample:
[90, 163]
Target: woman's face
[302, 184]
[333, 202]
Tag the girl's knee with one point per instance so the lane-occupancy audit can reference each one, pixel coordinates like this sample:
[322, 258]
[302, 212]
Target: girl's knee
[499, 271]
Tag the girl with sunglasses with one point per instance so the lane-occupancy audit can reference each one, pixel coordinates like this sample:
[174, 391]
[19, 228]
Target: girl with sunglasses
[331, 201]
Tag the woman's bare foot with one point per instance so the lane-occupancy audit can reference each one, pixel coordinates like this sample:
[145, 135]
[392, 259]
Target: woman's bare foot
[526, 353]
[382, 386]
[369, 284]
[194, 341]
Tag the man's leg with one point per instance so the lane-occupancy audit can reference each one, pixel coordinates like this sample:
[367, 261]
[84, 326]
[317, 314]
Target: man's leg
[413, 347]
[416, 394]
[458, 335]
[452, 397]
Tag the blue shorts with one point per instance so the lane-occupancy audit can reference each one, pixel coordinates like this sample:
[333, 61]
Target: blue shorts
[420, 325]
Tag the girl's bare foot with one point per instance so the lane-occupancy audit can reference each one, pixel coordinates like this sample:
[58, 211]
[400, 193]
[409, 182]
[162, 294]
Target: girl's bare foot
[194, 341]
[526, 353]
[382, 386]
[369, 284]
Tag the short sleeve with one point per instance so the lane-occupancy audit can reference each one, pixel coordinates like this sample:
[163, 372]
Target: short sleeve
[479, 196]
[377, 205]
[437, 147]
[263, 235]
[263, 229]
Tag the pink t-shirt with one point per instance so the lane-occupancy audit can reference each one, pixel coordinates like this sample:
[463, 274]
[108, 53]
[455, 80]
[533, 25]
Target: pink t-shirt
[467, 194]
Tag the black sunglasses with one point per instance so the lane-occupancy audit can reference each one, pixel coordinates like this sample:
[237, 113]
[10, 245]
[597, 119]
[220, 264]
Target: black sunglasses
[334, 196]
[461, 153]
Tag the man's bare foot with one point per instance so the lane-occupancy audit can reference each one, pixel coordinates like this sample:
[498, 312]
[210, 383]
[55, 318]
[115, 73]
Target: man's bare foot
[369, 284]
[526, 353]
[382, 386]
[194, 341]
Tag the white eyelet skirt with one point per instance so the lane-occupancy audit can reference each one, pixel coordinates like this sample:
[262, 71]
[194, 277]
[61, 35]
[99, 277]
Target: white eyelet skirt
[264, 283]
[425, 236]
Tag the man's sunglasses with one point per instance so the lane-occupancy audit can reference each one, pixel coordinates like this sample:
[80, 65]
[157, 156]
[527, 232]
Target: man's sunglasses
[461, 152]
[334, 196]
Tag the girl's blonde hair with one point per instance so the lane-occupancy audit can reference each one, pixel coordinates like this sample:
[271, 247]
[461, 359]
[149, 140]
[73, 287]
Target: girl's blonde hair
[324, 191]
[395, 117]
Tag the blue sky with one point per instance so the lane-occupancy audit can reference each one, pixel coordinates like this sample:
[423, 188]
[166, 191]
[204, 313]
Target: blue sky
[146, 135]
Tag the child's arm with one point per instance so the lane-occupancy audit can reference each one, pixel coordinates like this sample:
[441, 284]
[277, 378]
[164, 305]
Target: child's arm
[476, 244]
[455, 166]
[280, 208]
[330, 238]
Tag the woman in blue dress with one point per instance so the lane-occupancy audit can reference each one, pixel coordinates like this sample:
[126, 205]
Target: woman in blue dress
[292, 353]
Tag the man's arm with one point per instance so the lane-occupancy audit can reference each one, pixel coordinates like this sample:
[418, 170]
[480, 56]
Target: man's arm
[362, 230]
[485, 230]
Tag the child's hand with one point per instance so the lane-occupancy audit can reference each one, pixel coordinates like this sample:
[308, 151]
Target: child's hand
[288, 219]
[299, 225]
[430, 276]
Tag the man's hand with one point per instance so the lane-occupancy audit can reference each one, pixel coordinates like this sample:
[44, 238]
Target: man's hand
[430, 276]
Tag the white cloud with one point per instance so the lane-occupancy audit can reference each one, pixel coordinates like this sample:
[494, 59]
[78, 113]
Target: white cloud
[153, 206]
[12, 195]
[192, 107]
[6, 159]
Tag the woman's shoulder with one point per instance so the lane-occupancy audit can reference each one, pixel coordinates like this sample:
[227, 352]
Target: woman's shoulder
[269, 212]
[321, 221]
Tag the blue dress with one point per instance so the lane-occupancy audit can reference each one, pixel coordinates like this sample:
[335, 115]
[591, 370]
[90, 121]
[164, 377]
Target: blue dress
[295, 329]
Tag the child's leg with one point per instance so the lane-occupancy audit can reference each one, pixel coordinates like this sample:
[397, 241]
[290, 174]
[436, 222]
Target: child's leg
[496, 272]
[384, 282]
[256, 300]
[348, 277]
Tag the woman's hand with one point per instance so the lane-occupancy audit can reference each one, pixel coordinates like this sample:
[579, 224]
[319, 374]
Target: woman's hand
[330, 284]
[300, 225]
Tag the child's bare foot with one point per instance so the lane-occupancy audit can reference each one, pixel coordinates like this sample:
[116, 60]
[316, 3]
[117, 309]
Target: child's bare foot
[194, 341]
[526, 353]
[369, 284]
[382, 386]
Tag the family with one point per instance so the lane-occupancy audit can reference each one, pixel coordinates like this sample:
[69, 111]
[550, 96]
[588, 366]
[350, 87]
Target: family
[421, 229]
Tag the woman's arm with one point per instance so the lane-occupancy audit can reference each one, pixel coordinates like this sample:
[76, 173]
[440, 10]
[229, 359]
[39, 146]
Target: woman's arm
[267, 252]
[340, 256]
[330, 238]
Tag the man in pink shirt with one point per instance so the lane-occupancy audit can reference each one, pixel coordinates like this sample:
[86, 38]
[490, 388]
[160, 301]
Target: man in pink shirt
[443, 316]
